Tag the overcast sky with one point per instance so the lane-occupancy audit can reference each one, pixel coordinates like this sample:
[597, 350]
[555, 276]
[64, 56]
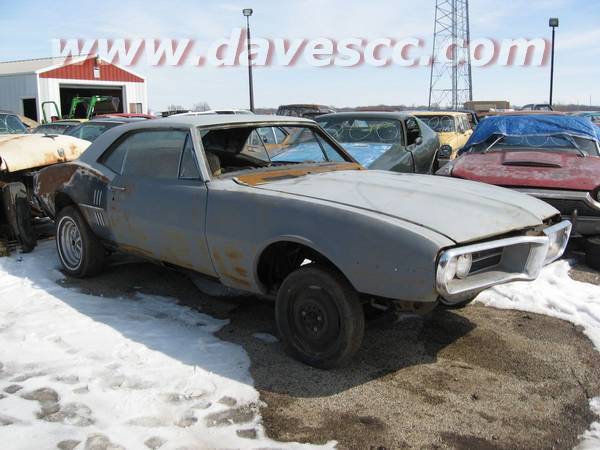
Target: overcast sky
[28, 28]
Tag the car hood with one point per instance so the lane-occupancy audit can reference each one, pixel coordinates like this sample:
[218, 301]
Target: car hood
[30, 151]
[540, 169]
[463, 211]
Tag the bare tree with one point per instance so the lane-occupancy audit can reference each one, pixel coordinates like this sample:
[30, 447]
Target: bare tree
[201, 106]
[175, 108]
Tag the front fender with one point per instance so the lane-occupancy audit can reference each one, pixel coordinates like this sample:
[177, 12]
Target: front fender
[379, 255]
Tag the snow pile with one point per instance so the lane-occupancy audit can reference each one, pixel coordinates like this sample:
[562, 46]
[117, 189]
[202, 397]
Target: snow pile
[134, 373]
[555, 294]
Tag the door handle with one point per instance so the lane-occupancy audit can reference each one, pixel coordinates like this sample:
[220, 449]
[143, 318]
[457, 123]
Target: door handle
[117, 188]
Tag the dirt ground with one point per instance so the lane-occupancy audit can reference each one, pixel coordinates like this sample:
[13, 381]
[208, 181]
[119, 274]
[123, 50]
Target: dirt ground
[474, 378]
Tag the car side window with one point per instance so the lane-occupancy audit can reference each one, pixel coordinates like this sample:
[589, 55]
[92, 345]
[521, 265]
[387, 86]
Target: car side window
[116, 156]
[332, 154]
[412, 131]
[280, 135]
[14, 125]
[188, 169]
[154, 154]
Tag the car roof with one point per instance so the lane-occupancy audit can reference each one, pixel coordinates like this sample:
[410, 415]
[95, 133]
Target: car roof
[365, 115]
[208, 120]
[438, 113]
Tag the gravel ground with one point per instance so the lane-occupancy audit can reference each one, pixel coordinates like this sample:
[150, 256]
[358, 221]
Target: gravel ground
[471, 378]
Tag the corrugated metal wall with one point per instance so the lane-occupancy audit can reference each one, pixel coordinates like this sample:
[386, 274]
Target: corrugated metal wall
[85, 71]
[13, 88]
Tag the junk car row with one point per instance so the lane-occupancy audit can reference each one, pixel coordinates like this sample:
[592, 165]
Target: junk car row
[329, 218]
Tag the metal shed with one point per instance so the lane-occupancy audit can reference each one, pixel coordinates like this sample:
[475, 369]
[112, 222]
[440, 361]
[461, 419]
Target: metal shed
[25, 85]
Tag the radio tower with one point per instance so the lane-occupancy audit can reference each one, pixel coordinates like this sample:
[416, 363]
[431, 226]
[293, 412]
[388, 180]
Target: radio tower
[450, 85]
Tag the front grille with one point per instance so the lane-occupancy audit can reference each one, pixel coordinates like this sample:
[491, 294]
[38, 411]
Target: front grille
[486, 259]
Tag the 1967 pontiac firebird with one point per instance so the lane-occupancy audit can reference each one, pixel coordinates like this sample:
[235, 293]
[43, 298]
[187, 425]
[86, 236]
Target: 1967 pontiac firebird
[299, 222]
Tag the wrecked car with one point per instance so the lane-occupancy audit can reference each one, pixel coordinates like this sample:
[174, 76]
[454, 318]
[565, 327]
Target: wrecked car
[552, 157]
[21, 155]
[384, 140]
[322, 237]
[453, 129]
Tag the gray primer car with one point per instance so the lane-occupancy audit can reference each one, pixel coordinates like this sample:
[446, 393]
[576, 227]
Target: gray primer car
[385, 140]
[325, 239]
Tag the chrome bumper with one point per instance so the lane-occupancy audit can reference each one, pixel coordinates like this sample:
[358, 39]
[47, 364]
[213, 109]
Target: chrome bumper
[519, 258]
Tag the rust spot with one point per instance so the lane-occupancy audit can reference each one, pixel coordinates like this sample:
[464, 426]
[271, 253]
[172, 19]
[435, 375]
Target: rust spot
[258, 178]
[233, 254]
[241, 271]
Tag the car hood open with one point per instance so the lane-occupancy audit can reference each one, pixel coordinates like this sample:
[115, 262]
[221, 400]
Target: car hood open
[540, 169]
[461, 210]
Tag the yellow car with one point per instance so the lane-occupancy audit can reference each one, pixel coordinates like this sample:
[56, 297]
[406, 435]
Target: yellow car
[453, 129]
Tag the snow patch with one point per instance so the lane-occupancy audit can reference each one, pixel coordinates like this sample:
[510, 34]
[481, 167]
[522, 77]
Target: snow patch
[555, 294]
[117, 371]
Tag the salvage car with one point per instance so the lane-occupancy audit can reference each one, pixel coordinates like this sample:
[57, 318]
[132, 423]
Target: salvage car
[21, 155]
[92, 129]
[56, 127]
[552, 157]
[385, 140]
[453, 128]
[321, 237]
[11, 124]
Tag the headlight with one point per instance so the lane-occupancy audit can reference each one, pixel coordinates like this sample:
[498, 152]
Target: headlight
[445, 151]
[463, 265]
[457, 267]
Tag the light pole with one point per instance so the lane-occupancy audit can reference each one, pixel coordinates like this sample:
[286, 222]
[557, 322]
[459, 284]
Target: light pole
[248, 12]
[553, 23]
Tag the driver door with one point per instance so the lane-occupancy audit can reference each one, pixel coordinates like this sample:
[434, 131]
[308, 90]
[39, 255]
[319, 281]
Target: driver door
[157, 200]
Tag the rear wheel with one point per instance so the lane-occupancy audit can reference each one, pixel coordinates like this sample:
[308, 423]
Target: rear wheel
[592, 252]
[80, 251]
[319, 317]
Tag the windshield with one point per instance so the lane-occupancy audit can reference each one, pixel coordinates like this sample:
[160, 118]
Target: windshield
[240, 148]
[10, 124]
[90, 131]
[365, 131]
[439, 124]
[561, 142]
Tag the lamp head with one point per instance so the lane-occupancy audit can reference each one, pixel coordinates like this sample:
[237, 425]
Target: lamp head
[247, 12]
[553, 22]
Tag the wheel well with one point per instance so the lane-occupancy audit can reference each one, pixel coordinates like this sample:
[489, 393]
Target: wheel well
[280, 259]
[61, 200]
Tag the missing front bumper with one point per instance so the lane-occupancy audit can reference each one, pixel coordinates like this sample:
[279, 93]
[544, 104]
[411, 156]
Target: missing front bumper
[520, 258]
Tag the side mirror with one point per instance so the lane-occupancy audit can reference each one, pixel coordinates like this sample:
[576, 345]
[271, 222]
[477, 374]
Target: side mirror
[419, 140]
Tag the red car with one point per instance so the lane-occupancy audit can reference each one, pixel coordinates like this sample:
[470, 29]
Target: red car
[125, 116]
[554, 158]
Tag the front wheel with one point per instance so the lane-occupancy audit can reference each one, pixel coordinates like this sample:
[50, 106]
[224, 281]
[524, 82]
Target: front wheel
[445, 304]
[80, 251]
[319, 317]
[592, 252]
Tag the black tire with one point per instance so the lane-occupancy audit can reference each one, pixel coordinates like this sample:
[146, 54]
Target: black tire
[27, 234]
[592, 252]
[319, 317]
[460, 305]
[71, 228]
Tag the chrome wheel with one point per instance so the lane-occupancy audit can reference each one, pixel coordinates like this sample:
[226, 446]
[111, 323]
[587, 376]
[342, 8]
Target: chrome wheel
[70, 243]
